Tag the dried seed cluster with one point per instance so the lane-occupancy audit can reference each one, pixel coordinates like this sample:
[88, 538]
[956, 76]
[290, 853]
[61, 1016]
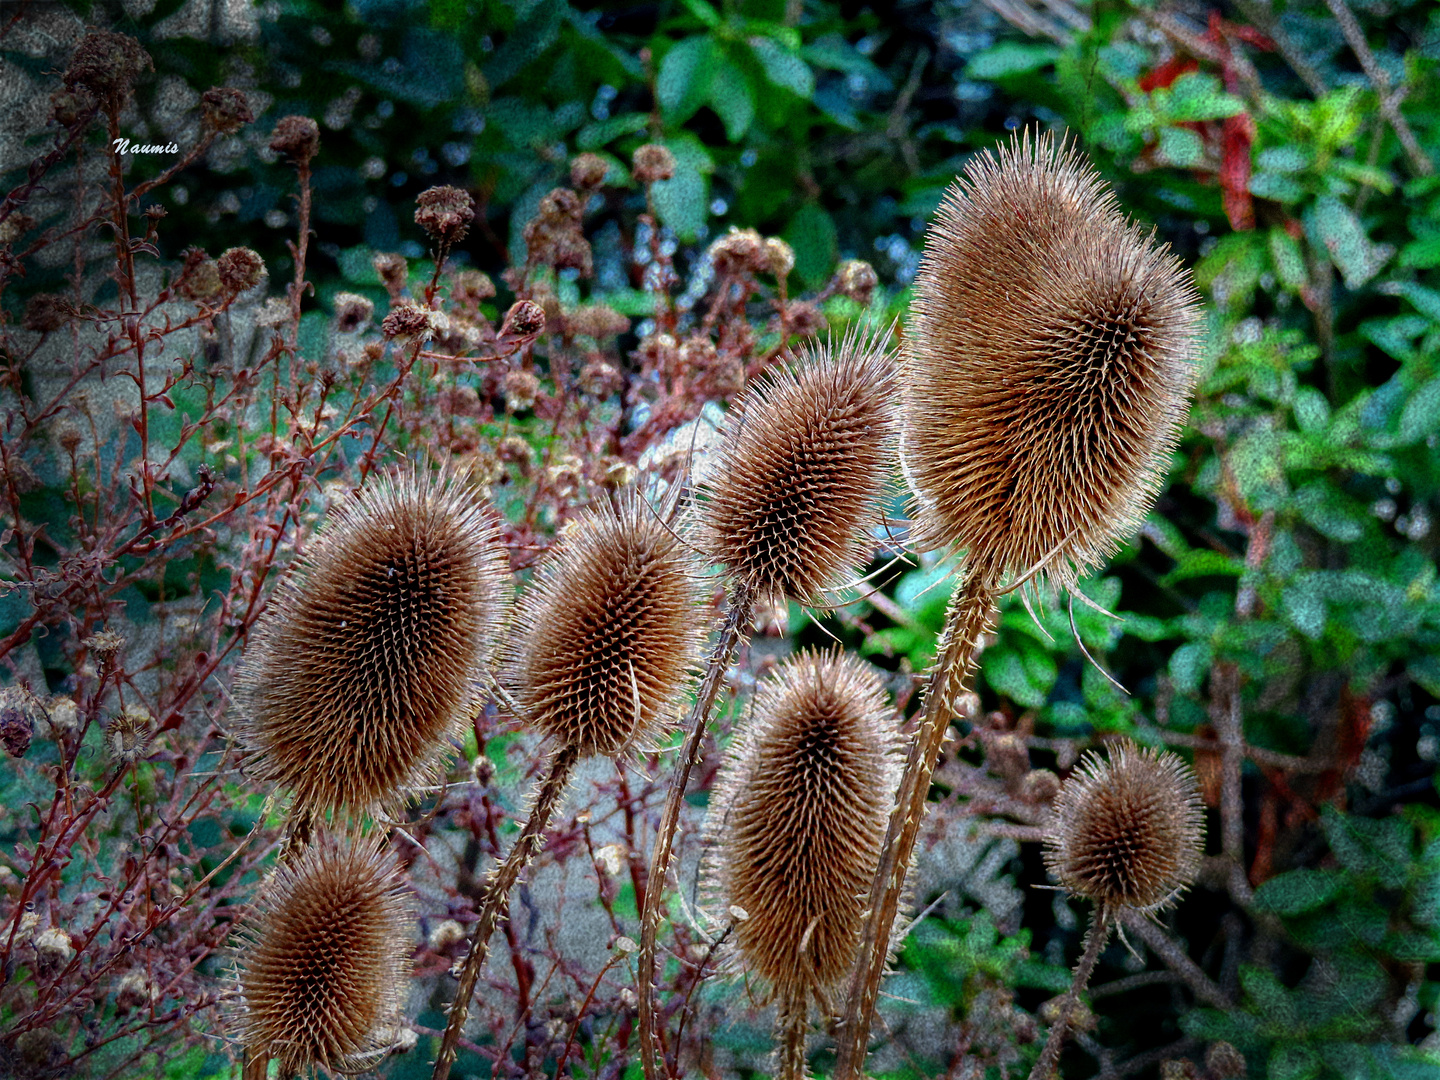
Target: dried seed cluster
[367, 660]
[1127, 831]
[798, 815]
[608, 632]
[791, 498]
[1049, 365]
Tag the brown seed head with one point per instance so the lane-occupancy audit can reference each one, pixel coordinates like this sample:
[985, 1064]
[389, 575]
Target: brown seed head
[45, 312]
[525, 319]
[107, 64]
[240, 269]
[18, 712]
[740, 251]
[323, 966]
[199, 277]
[225, 109]
[408, 322]
[353, 312]
[798, 816]
[1048, 368]
[587, 172]
[297, 137]
[519, 388]
[128, 735]
[653, 162]
[445, 213]
[365, 663]
[1127, 832]
[596, 320]
[779, 257]
[856, 279]
[806, 454]
[394, 271]
[609, 631]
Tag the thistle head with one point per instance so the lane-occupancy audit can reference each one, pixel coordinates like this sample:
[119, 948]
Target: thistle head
[791, 499]
[1048, 368]
[365, 663]
[608, 632]
[797, 819]
[323, 964]
[1127, 831]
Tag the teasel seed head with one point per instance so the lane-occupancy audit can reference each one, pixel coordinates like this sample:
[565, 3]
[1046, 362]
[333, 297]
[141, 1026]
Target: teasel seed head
[791, 499]
[323, 965]
[366, 662]
[1127, 831]
[609, 631]
[797, 818]
[1048, 367]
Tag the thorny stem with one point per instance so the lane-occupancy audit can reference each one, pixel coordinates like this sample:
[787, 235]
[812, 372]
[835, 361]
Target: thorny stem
[1094, 943]
[971, 613]
[497, 890]
[790, 1034]
[742, 605]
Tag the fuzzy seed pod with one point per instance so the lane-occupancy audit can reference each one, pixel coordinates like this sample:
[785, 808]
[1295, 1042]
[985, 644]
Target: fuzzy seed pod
[365, 663]
[353, 312]
[240, 269]
[297, 137]
[653, 162]
[1127, 832]
[1049, 366]
[806, 454]
[609, 631]
[322, 968]
[225, 109]
[797, 817]
[128, 736]
[445, 213]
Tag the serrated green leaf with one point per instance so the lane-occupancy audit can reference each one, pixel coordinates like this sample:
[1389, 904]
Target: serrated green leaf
[1335, 228]
[1299, 891]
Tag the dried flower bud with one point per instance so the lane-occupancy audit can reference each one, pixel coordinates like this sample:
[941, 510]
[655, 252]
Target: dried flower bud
[1224, 1062]
[408, 322]
[199, 277]
[797, 817]
[15, 226]
[18, 713]
[1005, 754]
[445, 935]
[394, 272]
[525, 319]
[63, 713]
[520, 388]
[514, 450]
[52, 949]
[739, 252]
[472, 287]
[804, 319]
[587, 172]
[1039, 787]
[856, 279]
[600, 380]
[240, 269]
[366, 662]
[445, 214]
[225, 109]
[609, 631]
[105, 644]
[779, 257]
[69, 107]
[135, 990]
[1127, 832]
[652, 162]
[324, 965]
[596, 320]
[107, 65]
[128, 735]
[45, 313]
[297, 137]
[806, 454]
[353, 312]
[554, 237]
[1049, 369]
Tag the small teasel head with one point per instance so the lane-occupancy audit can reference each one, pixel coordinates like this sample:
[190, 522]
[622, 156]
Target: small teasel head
[128, 735]
[790, 502]
[1048, 367]
[323, 965]
[797, 819]
[609, 631]
[1127, 831]
[367, 661]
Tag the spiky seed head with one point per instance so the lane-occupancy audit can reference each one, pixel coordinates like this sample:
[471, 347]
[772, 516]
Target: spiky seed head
[323, 965]
[128, 735]
[797, 818]
[366, 662]
[1049, 366]
[791, 499]
[1127, 831]
[608, 632]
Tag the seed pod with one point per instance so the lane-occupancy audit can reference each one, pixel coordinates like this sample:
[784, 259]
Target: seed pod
[364, 666]
[608, 632]
[797, 818]
[806, 453]
[1127, 832]
[1048, 368]
[322, 968]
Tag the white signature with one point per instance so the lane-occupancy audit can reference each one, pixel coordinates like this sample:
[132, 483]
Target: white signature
[125, 146]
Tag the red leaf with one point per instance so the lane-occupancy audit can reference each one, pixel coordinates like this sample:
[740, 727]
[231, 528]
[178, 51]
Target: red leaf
[1236, 137]
[1167, 73]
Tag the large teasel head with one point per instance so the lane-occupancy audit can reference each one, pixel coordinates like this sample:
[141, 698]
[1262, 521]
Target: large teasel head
[325, 961]
[790, 499]
[1048, 367]
[369, 657]
[797, 818]
[608, 632]
[1127, 831]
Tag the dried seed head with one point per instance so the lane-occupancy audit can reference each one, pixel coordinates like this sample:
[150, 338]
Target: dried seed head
[199, 277]
[1127, 831]
[653, 162]
[225, 109]
[525, 319]
[779, 257]
[471, 287]
[240, 269]
[45, 312]
[797, 818]
[128, 735]
[107, 65]
[596, 320]
[740, 251]
[806, 454]
[587, 172]
[322, 967]
[297, 137]
[353, 312]
[18, 712]
[364, 664]
[1048, 368]
[856, 279]
[609, 631]
[519, 388]
[52, 949]
[445, 213]
[408, 322]
[394, 271]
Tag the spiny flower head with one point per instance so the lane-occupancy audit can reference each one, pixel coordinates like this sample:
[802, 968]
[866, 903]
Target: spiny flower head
[323, 965]
[366, 662]
[797, 819]
[609, 631]
[791, 499]
[1048, 368]
[1128, 831]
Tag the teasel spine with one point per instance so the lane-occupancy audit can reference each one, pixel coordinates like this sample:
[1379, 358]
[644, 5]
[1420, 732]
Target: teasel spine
[791, 1026]
[970, 616]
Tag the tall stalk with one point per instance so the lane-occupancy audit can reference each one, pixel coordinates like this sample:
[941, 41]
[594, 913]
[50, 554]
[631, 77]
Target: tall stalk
[1094, 944]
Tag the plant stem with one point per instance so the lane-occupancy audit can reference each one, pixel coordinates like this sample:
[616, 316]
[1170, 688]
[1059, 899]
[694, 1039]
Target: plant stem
[1094, 943]
[742, 605]
[497, 890]
[971, 613]
[790, 1032]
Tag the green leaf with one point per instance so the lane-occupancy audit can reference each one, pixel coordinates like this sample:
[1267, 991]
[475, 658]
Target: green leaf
[1293, 1061]
[1298, 891]
[1193, 564]
[1181, 146]
[1421, 254]
[1334, 227]
[783, 67]
[1009, 58]
[733, 100]
[1281, 189]
[812, 235]
[685, 76]
[1329, 512]
[703, 11]
[603, 132]
[1425, 670]
[1197, 96]
[1426, 301]
[1188, 665]
[1421, 415]
[1312, 410]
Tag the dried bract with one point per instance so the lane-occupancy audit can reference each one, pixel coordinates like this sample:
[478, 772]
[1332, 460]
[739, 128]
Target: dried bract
[107, 65]
[225, 109]
[587, 172]
[1049, 366]
[445, 214]
[240, 269]
[652, 162]
[297, 137]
